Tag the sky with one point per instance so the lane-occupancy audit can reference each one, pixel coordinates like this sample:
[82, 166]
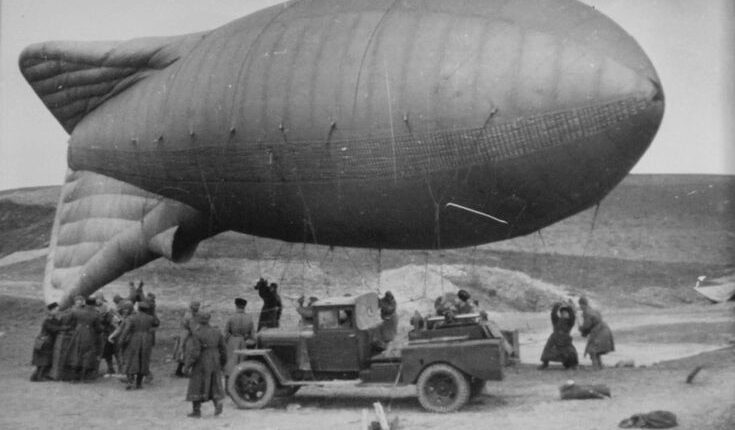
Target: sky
[689, 42]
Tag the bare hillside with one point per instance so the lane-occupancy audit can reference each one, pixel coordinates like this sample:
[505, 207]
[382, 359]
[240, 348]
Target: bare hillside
[646, 245]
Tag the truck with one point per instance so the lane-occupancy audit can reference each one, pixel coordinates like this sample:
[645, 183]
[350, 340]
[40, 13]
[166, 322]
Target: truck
[449, 362]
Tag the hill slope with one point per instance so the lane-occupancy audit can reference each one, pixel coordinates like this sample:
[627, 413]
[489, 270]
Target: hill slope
[647, 244]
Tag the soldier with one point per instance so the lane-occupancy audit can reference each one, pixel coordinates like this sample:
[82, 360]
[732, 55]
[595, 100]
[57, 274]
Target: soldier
[306, 311]
[43, 348]
[389, 327]
[189, 325]
[109, 320]
[463, 304]
[81, 361]
[138, 338]
[61, 344]
[270, 313]
[600, 340]
[239, 334]
[124, 310]
[135, 294]
[205, 357]
[559, 346]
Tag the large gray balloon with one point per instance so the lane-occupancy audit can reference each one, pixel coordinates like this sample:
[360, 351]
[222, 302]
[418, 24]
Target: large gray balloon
[387, 124]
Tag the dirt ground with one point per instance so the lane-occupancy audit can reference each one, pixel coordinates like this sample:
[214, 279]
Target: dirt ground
[526, 399]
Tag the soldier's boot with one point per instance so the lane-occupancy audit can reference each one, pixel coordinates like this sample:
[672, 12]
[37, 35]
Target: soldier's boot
[180, 370]
[196, 411]
[139, 380]
[596, 362]
[218, 406]
[110, 366]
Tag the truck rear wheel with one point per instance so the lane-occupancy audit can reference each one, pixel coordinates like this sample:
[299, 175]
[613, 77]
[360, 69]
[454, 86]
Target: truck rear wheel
[442, 388]
[251, 385]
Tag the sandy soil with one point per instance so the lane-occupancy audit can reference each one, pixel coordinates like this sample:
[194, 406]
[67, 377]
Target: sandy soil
[526, 399]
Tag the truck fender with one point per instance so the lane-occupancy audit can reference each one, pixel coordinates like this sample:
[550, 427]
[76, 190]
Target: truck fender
[267, 357]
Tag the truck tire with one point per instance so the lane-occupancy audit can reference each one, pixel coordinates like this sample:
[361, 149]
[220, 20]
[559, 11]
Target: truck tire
[442, 388]
[251, 385]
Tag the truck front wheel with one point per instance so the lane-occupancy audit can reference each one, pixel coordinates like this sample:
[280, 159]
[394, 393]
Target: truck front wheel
[442, 388]
[251, 385]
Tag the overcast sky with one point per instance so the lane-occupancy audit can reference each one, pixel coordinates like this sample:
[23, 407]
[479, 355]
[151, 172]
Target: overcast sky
[690, 43]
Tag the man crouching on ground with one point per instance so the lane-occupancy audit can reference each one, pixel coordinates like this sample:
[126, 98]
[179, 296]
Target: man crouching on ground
[206, 358]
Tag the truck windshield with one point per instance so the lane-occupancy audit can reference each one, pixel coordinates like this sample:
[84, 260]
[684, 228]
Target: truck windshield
[334, 319]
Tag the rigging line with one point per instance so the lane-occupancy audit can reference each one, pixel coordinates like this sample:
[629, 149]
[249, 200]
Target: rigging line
[365, 52]
[592, 229]
[286, 264]
[437, 207]
[304, 264]
[210, 200]
[275, 257]
[541, 236]
[426, 272]
[390, 119]
[257, 257]
[380, 267]
[248, 55]
[359, 272]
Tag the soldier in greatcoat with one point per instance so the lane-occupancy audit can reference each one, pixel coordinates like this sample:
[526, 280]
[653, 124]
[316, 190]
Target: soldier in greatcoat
[559, 346]
[61, 346]
[599, 336]
[239, 334]
[43, 348]
[137, 336]
[189, 324]
[82, 356]
[206, 357]
[109, 320]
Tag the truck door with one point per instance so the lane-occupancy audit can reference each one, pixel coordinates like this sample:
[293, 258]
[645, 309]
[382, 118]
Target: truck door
[334, 347]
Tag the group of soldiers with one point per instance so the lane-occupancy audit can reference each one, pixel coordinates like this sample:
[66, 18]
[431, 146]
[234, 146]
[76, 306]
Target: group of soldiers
[559, 346]
[72, 343]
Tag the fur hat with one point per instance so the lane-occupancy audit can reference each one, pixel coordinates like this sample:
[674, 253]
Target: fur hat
[240, 302]
[204, 317]
[463, 295]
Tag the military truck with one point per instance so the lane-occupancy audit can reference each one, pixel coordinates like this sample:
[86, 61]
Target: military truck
[448, 363]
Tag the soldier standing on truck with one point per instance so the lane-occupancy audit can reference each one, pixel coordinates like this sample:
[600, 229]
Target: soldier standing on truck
[239, 334]
[389, 327]
[463, 304]
[270, 313]
[306, 311]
